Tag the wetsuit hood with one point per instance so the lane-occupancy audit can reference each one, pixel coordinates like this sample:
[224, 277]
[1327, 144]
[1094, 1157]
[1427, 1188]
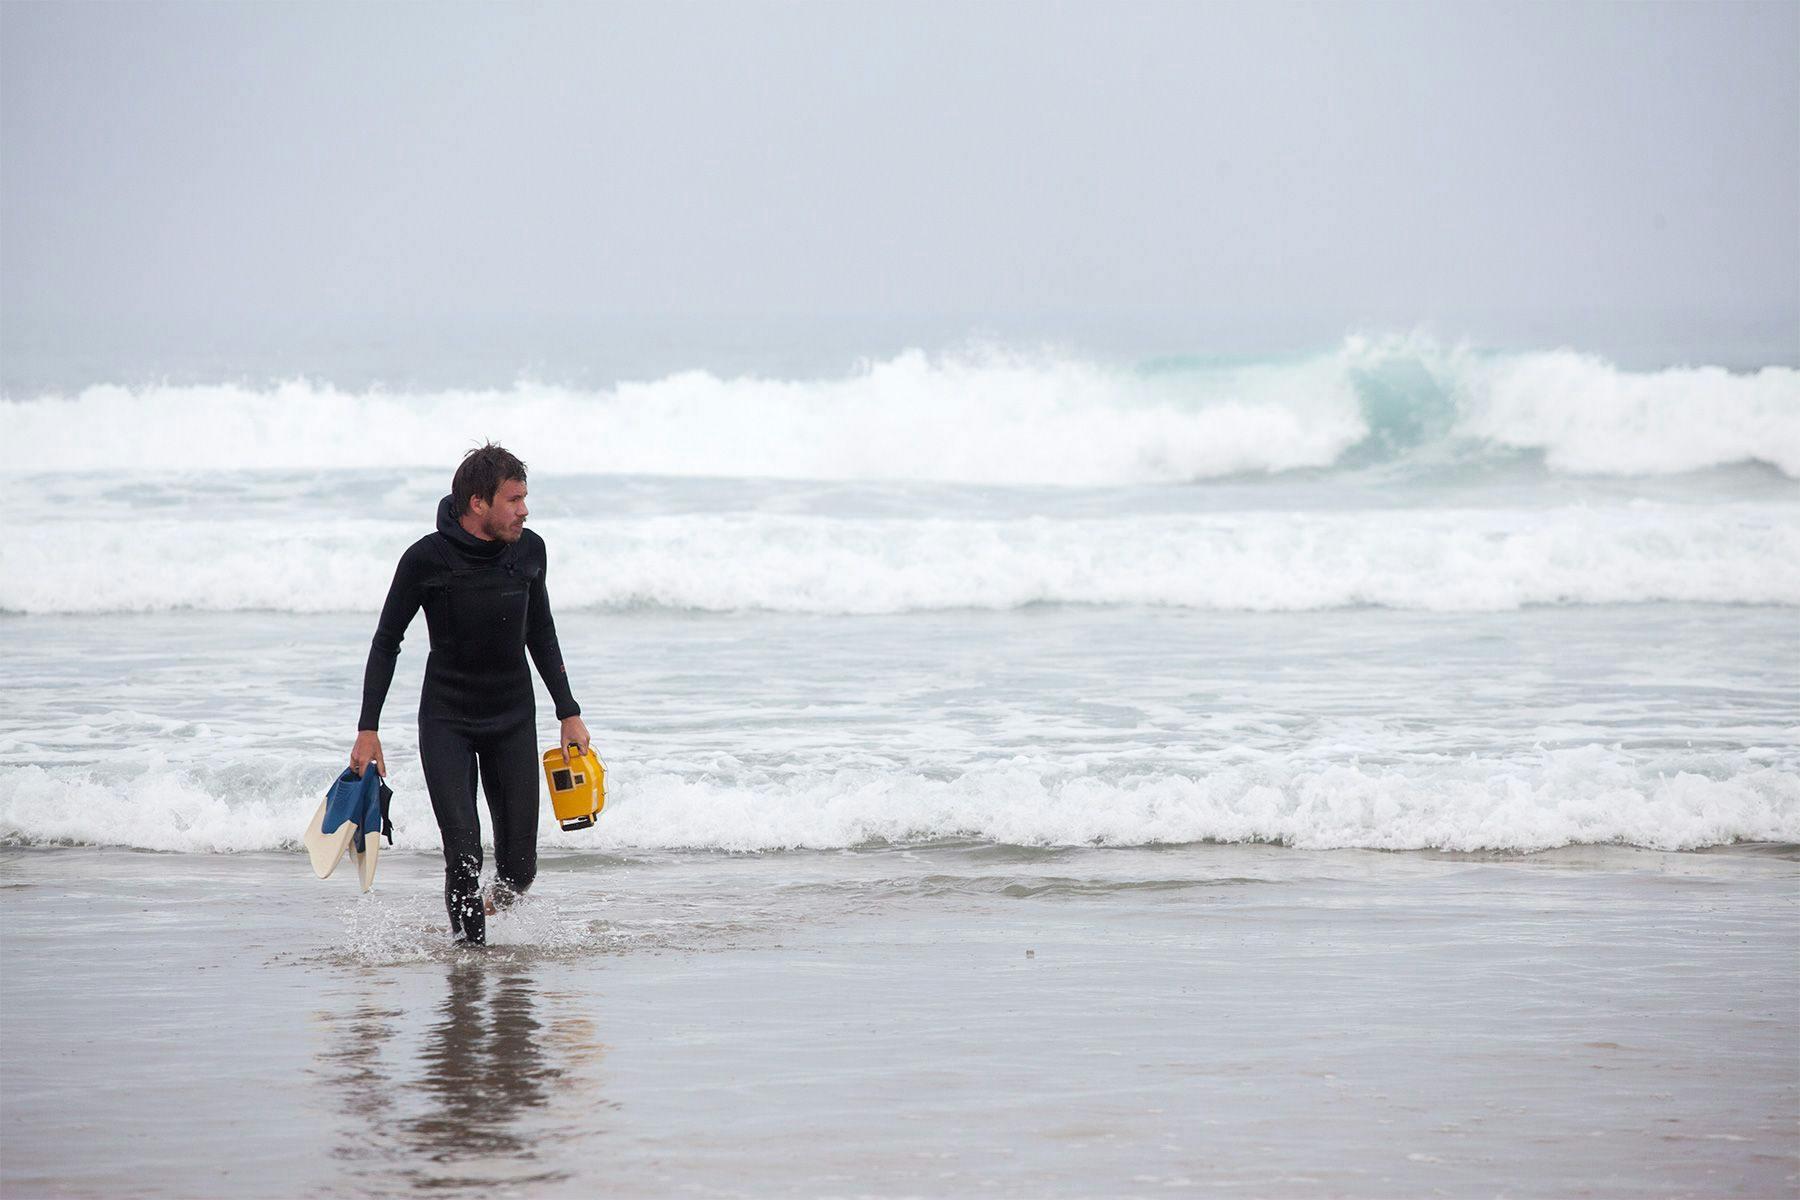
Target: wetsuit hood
[461, 538]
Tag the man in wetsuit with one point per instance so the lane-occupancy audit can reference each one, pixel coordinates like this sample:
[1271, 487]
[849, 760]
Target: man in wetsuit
[480, 580]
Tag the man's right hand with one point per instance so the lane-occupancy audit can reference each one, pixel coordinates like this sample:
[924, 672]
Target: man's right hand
[367, 750]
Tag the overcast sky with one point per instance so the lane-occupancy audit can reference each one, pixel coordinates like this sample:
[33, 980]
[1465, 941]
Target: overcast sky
[1200, 169]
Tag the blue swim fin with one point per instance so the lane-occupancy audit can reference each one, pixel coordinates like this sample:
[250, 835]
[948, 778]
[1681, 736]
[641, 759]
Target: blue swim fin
[353, 811]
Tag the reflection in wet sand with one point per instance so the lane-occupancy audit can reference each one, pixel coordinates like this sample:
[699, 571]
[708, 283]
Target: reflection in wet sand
[483, 1097]
[483, 1068]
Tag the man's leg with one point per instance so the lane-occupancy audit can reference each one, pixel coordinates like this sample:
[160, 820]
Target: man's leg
[509, 778]
[449, 761]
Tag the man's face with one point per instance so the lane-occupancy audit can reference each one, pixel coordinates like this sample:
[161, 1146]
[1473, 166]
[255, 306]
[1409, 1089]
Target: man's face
[503, 519]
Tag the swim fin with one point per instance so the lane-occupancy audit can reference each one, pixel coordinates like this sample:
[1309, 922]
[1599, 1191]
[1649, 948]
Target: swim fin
[365, 858]
[326, 849]
[351, 819]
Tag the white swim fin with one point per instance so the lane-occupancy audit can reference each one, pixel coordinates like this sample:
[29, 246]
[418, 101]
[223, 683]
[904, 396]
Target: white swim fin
[327, 849]
[365, 859]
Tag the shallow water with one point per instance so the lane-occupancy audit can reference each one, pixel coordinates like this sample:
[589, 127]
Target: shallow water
[944, 1019]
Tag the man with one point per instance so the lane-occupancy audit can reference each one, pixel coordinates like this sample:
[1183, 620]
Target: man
[480, 580]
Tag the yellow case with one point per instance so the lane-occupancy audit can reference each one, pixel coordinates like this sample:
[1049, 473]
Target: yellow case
[577, 785]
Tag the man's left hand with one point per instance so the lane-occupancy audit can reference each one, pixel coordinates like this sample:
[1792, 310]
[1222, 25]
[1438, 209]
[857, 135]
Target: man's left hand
[574, 732]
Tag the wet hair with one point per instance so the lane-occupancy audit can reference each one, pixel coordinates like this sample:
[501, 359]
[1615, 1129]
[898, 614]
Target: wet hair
[482, 472]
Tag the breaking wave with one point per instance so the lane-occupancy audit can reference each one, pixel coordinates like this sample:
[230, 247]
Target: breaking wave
[981, 417]
[1582, 795]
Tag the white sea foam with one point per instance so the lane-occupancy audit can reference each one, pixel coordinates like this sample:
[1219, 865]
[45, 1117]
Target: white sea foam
[994, 418]
[988, 417]
[1584, 795]
[1589, 417]
[1436, 559]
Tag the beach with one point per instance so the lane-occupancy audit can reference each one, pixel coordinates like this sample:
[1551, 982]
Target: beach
[1068, 901]
[1200, 778]
[942, 1019]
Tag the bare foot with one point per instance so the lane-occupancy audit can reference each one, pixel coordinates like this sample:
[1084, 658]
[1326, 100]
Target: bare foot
[496, 896]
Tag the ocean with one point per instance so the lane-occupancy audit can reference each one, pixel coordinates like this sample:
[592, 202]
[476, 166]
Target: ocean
[1483, 667]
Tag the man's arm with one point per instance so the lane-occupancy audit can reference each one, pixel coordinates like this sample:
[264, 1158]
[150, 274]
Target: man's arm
[540, 639]
[403, 600]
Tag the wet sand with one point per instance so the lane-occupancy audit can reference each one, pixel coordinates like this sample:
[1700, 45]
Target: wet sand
[946, 1020]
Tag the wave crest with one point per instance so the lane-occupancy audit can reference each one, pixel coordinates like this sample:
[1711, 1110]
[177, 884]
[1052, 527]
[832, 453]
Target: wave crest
[1582, 795]
[982, 417]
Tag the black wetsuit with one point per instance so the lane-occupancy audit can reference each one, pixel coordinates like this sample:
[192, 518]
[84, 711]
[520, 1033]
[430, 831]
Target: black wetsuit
[485, 606]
